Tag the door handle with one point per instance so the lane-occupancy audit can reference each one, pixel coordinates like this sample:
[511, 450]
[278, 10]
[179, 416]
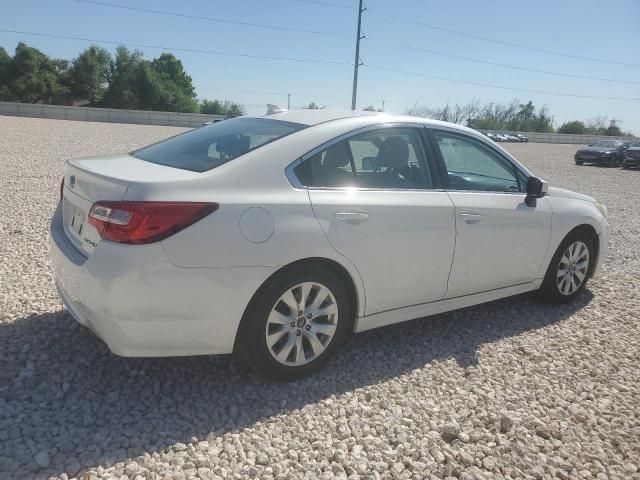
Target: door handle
[351, 217]
[470, 217]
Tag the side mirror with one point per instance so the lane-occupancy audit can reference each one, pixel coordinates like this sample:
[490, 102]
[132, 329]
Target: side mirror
[536, 188]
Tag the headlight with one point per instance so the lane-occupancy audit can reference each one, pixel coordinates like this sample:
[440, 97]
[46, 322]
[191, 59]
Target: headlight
[603, 210]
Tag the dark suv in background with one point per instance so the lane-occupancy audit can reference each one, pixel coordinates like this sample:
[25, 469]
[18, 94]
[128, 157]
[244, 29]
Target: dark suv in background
[631, 156]
[606, 152]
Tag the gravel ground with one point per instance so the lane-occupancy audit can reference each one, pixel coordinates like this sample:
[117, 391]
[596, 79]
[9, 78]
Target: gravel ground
[511, 389]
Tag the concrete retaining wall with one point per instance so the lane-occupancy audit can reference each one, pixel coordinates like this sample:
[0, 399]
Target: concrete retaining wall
[110, 115]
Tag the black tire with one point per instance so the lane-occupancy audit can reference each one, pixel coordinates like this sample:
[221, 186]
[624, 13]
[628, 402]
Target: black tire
[252, 343]
[625, 166]
[579, 162]
[549, 290]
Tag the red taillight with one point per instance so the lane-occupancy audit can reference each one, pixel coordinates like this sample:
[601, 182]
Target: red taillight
[145, 222]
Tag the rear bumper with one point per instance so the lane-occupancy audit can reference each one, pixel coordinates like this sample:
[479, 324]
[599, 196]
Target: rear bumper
[141, 305]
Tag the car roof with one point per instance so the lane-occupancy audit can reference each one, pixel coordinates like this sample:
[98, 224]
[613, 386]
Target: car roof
[312, 117]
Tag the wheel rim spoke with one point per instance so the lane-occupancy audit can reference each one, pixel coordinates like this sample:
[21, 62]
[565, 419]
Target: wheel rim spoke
[299, 350]
[321, 296]
[572, 268]
[301, 324]
[278, 318]
[290, 301]
[316, 345]
[323, 328]
[286, 349]
[276, 336]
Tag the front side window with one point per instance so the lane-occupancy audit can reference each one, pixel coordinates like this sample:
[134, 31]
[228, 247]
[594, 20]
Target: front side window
[382, 158]
[473, 166]
[209, 147]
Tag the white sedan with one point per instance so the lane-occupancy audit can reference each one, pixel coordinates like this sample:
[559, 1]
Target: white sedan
[277, 237]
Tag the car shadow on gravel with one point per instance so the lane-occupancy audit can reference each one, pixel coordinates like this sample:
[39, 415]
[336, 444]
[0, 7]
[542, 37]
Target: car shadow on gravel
[68, 404]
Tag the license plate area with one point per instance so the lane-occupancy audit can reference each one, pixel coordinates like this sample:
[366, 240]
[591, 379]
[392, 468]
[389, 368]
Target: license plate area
[76, 225]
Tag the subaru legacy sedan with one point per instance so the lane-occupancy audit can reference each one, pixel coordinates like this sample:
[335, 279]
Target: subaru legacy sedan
[277, 237]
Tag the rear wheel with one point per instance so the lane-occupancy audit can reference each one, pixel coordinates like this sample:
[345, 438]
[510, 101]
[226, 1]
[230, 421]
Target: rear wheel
[569, 269]
[296, 322]
[579, 162]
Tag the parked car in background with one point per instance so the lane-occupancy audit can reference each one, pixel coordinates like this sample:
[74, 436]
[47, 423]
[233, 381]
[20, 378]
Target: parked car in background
[512, 138]
[493, 136]
[631, 158]
[521, 137]
[277, 237]
[602, 152]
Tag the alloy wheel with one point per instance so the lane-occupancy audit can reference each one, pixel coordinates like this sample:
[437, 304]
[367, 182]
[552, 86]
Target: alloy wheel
[301, 324]
[572, 269]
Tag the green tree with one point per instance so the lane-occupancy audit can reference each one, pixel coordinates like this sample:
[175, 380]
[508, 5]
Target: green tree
[371, 108]
[124, 74]
[171, 88]
[219, 107]
[89, 75]
[574, 126]
[5, 62]
[32, 77]
[313, 106]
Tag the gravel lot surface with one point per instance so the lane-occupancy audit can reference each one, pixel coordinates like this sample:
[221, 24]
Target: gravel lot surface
[511, 389]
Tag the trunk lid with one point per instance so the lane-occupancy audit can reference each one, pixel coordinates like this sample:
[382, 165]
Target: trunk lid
[108, 177]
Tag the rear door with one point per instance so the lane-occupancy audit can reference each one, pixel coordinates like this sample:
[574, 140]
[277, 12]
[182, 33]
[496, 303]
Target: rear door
[500, 241]
[379, 204]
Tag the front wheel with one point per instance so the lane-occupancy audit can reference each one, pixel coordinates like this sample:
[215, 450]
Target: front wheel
[569, 269]
[579, 162]
[296, 322]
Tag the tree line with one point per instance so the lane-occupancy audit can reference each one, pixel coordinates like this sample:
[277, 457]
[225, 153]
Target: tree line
[127, 80]
[514, 116]
[96, 78]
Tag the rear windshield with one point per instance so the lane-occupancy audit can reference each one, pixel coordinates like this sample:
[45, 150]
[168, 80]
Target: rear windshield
[209, 147]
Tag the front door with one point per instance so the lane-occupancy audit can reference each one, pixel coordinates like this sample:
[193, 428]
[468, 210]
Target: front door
[500, 241]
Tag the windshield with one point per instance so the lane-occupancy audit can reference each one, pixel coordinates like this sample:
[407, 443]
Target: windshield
[606, 144]
[209, 147]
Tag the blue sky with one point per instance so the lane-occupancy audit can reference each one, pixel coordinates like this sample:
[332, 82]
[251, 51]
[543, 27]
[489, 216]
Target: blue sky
[606, 30]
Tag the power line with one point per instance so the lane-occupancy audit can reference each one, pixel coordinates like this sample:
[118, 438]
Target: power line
[316, 32]
[178, 49]
[307, 60]
[503, 87]
[500, 42]
[213, 19]
[503, 65]
[327, 4]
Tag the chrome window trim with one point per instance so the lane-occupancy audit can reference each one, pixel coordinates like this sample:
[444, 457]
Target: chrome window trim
[297, 184]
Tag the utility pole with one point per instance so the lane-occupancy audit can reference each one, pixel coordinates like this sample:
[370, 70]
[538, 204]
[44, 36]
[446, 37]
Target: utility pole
[357, 63]
[288, 101]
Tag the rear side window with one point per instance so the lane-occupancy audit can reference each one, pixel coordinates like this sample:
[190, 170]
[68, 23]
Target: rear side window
[209, 147]
[383, 158]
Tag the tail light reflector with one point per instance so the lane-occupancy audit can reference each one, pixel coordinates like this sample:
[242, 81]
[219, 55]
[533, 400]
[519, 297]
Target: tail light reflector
[145, 222]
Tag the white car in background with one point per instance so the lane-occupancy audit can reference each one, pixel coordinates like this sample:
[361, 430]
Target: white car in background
[277, 237]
